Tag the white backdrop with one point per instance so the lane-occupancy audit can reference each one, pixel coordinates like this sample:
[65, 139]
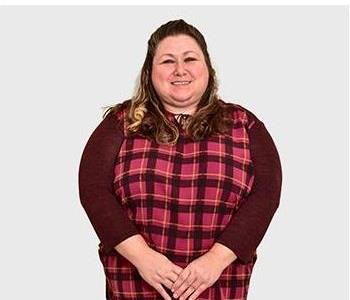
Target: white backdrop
[60, 65]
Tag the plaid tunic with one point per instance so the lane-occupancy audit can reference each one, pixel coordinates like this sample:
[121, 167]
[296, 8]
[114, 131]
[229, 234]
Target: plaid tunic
[181, 198]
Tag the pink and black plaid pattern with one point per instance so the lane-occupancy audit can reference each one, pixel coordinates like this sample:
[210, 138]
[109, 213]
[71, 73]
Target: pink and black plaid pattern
[181, 198]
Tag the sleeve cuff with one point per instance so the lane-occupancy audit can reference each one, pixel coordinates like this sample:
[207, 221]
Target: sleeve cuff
[108, 246]
[242, 254]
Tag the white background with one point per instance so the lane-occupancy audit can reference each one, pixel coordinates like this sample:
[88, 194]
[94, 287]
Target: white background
[60, 65]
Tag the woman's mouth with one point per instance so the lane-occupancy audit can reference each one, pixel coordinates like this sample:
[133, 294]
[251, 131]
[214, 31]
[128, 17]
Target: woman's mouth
[181, 82]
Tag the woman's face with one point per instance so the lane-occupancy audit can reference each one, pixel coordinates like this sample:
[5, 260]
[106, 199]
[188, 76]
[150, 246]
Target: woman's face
[179, 73]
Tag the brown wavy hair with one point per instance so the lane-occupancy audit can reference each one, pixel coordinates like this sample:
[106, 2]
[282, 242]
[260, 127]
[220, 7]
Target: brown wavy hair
[146, 113]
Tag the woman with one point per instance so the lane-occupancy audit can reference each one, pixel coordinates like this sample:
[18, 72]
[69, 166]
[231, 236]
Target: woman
[179, 185]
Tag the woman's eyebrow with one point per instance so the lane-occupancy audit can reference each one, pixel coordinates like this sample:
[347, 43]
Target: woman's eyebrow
[172, 55]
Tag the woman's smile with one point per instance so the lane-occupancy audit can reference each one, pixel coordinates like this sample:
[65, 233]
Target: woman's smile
[181, 83]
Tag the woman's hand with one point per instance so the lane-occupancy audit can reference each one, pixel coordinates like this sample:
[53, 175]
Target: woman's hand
[200, 274]
[156, 269]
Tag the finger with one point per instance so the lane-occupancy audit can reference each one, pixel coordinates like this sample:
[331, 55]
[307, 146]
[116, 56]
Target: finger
[173, 276]
[177, 269]
[162, 292]
[185, 285]
[187, 293]
[182, 277]
[198, 291]
[191, 289]
[168, 283]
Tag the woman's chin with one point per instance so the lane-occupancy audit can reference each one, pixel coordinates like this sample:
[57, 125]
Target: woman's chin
[182, 98]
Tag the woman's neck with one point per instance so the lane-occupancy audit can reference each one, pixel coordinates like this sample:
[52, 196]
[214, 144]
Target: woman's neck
[180, 111]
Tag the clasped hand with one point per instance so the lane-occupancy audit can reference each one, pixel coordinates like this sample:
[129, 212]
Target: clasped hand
[157, 270]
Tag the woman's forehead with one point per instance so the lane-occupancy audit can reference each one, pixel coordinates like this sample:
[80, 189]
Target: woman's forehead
[176, 45]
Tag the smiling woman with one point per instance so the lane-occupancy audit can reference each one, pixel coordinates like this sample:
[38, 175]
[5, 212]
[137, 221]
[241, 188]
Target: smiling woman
[179, 185]
[179, 74]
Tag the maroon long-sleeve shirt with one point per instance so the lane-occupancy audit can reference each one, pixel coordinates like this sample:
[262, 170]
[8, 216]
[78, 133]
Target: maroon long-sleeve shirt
[242, 235]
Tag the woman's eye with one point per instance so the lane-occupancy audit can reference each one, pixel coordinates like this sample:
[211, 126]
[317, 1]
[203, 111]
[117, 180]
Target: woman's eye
[190, 59]
[167, 61]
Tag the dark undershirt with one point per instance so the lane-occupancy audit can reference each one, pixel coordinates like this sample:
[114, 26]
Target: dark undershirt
[244, 232]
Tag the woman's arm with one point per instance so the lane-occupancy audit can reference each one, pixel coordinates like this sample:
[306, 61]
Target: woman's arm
[249, 224]
[112, 225]
[96, 176]
[134, 249]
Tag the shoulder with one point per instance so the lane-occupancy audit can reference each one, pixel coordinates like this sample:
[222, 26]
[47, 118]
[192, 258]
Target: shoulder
[113, 117]
[240, 114]
[117, 111]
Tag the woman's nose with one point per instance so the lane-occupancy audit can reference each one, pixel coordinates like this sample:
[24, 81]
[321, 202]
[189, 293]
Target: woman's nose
[180, 69]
